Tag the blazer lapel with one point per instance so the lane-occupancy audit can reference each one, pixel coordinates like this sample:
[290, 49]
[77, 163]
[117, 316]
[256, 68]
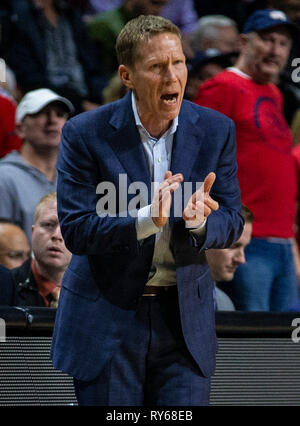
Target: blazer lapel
[126, 143]
[188, 142]
[186, 146]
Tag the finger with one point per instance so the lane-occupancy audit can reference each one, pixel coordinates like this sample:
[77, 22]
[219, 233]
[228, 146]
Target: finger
[207, 211]
[169, 181]
[174, 178]
[168, 174]
[212, 204]
[192, 211]
[168, 189]
[209, 181]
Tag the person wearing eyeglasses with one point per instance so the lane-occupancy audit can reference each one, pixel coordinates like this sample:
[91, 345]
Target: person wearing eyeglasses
[14, 245]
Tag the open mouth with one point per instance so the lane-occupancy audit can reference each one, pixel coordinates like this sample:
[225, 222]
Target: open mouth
[52, 132]
[271, 62]
[55, 250]
[170, 98]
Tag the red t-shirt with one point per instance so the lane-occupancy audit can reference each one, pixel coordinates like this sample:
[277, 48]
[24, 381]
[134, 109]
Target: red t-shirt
[266, 167]
[9, 141]
[296, 154]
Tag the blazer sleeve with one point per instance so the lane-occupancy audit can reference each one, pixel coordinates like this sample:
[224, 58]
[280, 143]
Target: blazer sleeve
[84, 231]
[225, 225]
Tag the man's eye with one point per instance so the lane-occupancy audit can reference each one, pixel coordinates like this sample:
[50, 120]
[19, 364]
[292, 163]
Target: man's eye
[61, 114]
[16, 255]
[48, 225]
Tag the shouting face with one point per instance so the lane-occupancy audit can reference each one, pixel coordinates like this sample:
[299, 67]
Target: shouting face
[157, 78]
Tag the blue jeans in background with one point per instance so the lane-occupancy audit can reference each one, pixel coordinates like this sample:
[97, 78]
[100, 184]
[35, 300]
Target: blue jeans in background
[267, 281]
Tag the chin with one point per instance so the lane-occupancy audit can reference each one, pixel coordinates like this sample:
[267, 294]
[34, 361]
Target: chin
[228, 277]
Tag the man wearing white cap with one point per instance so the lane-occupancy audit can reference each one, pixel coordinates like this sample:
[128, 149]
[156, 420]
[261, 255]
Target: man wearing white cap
[28, 175]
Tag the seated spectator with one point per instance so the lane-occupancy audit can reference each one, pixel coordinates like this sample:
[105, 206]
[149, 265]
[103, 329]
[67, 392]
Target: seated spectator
[223, 262]
[14, 245]
[50, 48]
[215, 32]
[7, 287]
[105, 27]
[31, 173]
[39, 278]
[205, 65]
[9, 140]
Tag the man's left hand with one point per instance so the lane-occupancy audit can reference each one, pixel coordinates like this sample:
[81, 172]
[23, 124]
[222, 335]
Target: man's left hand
[200, 204]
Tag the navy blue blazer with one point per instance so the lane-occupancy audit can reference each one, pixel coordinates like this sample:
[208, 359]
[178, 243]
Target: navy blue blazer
[104, 282]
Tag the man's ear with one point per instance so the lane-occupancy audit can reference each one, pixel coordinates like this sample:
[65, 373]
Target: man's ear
[243, 40]
[125, 76]
[19, 130]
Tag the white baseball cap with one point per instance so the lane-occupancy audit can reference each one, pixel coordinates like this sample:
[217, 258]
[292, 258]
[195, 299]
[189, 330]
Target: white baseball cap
[36, 100]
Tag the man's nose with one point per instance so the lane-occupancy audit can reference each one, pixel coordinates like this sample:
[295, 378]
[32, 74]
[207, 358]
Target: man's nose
[240, 256]
[276, 48]
[170, 74]
[52, 115]
[56, 235]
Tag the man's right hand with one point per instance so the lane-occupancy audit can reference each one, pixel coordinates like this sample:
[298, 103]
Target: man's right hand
[162, 198]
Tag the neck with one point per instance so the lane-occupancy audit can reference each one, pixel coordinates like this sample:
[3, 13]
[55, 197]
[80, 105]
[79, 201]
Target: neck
[50, 13]
[156, 130]
[51, 274]
[43, 159]
[249, 69]
[154, 127]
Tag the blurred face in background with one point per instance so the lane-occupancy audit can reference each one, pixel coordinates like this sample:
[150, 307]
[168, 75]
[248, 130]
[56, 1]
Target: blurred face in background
[223, 262]
[47, 242]
[14, 246]
[43, 129]
[195, 79]
[265, 53]
[227, 41]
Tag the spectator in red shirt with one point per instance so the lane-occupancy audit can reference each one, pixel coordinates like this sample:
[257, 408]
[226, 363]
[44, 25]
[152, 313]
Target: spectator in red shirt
[9, 140]
[266, 168]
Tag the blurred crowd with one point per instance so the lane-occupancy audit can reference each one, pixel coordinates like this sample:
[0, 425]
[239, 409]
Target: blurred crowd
[58, 59]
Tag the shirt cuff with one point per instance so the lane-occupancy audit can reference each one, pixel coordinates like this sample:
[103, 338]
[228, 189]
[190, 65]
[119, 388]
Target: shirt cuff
[200, 231]
[144, 224]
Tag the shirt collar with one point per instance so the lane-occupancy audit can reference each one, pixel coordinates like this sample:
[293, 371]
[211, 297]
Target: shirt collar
[44, 285]
[239, 72]
[138, 122]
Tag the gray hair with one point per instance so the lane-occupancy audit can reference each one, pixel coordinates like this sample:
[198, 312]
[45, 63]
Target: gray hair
[208, 29]
[138, 30]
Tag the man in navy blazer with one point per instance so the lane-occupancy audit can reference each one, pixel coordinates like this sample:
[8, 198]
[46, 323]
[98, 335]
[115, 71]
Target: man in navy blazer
[135, 321]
